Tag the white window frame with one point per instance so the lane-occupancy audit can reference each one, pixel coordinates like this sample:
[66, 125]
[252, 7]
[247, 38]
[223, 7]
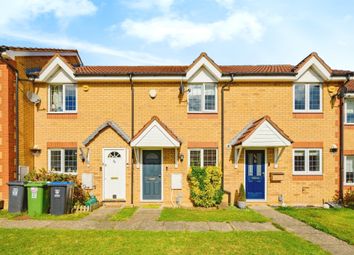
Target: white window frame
[202, 155]
[307, 164]
[64, 104]
[307, 98]
[203, 97]
[62, 163]
[345, 171]
[345, 110]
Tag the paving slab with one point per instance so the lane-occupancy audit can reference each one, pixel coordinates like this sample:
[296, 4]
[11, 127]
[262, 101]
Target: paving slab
[152, 226]
[25, 223]
[220, 226]
[101, 214]
[197, 226]
[253, 226]
[174, 226]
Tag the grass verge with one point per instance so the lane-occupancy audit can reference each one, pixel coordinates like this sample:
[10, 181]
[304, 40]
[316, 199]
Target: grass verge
[219, 215]
[124, 214]
[24, 216]
[50, 241]
[336, 222]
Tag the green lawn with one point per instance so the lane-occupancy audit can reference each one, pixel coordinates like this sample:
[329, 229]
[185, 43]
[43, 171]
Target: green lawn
[124, 214]
[14, 216]
[48, 241]
[337, 222]
[220, 215]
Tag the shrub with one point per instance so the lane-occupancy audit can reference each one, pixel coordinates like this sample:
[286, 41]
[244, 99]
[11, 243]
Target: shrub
[241, 193]
[205, 186]
[348, 199]
[80, 195]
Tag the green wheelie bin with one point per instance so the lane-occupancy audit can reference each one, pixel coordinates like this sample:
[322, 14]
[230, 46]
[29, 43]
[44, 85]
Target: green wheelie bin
[37, 197]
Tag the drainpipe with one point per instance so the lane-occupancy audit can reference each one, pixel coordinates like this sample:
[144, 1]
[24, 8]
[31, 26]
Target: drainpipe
[14, 69]
[223, 135]
[132, 135]
[341, 141]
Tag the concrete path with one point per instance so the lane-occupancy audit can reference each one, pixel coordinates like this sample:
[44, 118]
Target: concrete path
[327, 242]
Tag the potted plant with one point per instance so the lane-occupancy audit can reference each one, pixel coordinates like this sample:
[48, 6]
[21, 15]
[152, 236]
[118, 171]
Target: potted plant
[241, 201]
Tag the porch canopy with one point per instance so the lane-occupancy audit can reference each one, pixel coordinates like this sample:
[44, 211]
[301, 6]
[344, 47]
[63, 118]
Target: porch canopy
[155, 134]
[262, 133]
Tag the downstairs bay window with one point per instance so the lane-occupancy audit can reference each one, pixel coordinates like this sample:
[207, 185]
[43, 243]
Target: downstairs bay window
[202, 157]
[307, 162]
[62, 98]
[62, 160]
[349, 170]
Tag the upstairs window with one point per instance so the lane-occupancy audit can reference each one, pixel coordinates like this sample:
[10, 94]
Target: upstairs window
[202, 157]
[307, 98]
[307, 162]
[202, 97]
[62, 160]
[349, 111]
[62, 98]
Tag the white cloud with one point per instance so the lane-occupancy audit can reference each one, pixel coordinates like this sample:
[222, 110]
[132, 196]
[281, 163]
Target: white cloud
[18, 11]
[180, 33]
[226, 3]
[162, 5]
[121, 57]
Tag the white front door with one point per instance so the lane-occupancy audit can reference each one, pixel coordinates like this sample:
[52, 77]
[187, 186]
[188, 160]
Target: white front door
[114, 166]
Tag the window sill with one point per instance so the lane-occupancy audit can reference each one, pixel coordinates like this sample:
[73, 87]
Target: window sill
[62, 115]
[298, 177]
[349, 184]
[202, 115]
[349, 125]
[308, 115]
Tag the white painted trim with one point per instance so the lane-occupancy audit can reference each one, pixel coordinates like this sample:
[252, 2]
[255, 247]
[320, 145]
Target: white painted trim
[141, 175]
[176, 158]
[202, 155]
[317, 66]
[104, 169]
[203, 97]
[265, 174]
[56, 64]
[173, 142]
[64, 103]
[345, 111]
[307, 98]
[15, 53]
[203, 62]
[345, 171]
[307, 172]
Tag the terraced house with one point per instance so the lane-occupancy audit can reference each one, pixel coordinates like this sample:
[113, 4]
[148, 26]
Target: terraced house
[131, 133]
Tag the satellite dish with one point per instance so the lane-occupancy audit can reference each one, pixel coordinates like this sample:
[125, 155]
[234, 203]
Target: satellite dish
[342, 91]
[33, 97]
[181, 88]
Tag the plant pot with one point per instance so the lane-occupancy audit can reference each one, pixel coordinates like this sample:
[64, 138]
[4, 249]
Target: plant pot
[241, 204]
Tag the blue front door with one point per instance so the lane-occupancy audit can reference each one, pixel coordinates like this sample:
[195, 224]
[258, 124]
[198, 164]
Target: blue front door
[151, 175]
[255, 179]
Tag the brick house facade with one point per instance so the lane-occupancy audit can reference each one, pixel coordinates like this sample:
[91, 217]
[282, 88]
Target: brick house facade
[280, 127]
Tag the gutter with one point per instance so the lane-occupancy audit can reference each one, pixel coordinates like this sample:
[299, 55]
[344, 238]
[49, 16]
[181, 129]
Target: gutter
[223, 136]
[132, 135]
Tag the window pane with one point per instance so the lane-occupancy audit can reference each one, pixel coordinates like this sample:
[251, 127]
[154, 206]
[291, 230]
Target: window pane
[55, 160]
[299, 161]
[209, 157]
[194, 159]
[350, 111]
[70, 161]
[56, 98]
[300, 97]
[315, 97]
[314, 161]
[70, 98]
[349, 170]
[195, 98]
[210, 97]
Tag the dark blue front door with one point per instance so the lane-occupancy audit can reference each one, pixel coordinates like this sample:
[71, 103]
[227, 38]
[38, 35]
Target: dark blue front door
[152, 175]
[255, 167]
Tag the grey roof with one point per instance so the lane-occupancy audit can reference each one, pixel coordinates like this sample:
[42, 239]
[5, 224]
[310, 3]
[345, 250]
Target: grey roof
[110, 124]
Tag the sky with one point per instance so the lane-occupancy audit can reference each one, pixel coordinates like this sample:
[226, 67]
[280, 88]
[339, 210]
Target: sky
[174, 32]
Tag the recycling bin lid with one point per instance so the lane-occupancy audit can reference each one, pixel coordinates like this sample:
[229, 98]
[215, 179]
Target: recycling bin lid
[36, 184]
[16, 183]
[60, 183]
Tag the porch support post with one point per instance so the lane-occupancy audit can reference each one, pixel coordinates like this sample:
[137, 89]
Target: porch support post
[237, 154]
[176, 157]
[137, 157]
[277, 154]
